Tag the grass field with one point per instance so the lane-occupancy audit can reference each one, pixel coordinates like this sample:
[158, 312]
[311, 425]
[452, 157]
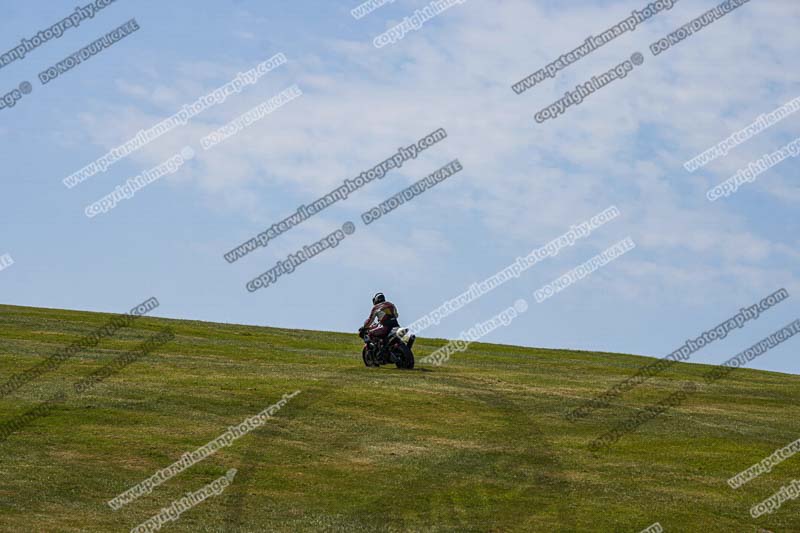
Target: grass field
[479, 444]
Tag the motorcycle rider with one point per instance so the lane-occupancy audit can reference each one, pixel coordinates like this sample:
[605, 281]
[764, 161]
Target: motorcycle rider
[385, 313]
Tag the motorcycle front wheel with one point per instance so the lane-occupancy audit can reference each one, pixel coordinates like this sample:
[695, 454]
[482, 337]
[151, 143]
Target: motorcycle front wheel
[367, 357]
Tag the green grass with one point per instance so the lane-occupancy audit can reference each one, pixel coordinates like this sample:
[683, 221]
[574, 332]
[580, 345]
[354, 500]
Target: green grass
[479, 444]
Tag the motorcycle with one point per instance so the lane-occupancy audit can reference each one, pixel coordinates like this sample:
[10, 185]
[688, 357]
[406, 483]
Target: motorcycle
[395, 348]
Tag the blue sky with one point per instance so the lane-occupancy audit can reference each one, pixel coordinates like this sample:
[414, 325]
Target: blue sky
[695, 265]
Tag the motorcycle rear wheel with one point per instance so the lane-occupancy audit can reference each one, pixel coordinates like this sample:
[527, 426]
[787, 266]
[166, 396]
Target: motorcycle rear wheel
[403, 356]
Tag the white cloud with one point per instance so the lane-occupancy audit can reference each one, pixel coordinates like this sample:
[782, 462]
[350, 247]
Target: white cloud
[624, 145]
